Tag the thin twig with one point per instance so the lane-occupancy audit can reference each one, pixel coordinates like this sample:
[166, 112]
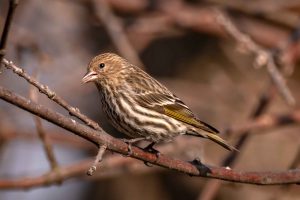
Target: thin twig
[50, 94]
[264, 122]
[284, 17]
[116, 32]
[49, 178]
[11, 10]
[199, 18]
[296, 161]
[41, 132]
[57, 137]
[98, 159]
[53, 96]
[112, 166]
[191, 168]
[288, 51]
[263, 57]
[212, 186]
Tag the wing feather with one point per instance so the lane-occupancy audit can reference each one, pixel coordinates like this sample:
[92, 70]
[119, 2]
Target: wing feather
[172, 107]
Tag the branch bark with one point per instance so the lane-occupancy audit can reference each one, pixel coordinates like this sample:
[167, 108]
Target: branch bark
[191, 168]
[11, 10]
[48, 178]
[47, 145]
[50, 94]
[263, 56]
[264, 122]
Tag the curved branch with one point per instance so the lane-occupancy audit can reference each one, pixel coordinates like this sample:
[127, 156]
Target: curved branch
[52, 177]
[112, 166]
[264, 122]
[50, 94]
[194, 168]
[263, 56]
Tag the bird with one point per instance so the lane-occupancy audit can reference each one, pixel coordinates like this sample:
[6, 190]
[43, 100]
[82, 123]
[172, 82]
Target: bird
[142, 108]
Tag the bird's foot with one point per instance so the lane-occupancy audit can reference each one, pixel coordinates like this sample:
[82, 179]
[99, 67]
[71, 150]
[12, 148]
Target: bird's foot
[129, 142]
[203, 169]
[150, 149]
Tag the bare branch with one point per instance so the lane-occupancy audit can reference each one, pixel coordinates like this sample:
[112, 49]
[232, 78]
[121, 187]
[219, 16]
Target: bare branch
[49, 178]
[116, 32]
[264, 122]
[296, 161]
[111, 166]
[57, 137]
[263, 57]
[11, 10]
[191, 168]
[98, 159]
[41, 132]
[212, 186]
[50, 94]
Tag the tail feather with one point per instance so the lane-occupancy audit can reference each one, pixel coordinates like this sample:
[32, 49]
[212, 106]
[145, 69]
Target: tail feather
[206, 127]
[213, 137]
[221, 142]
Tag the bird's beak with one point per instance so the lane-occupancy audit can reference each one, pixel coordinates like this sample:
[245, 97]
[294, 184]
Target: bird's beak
[90, 76]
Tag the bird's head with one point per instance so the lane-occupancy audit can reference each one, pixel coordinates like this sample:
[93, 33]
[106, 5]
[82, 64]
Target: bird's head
[105, 66]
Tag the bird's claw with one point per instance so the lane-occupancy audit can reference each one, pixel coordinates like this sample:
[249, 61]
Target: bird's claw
[130, 152]
[129, 142]
[150, 149]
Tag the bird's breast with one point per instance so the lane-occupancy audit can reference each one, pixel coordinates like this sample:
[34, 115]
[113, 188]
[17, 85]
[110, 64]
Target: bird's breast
[129, 117]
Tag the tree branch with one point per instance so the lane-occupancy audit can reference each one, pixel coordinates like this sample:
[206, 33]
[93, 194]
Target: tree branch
[212, 186]
[97, 160]
[50, 94]
[263, 57]
[191, 168]
[112, 166]
[264, 122]
[11, 10]
[41, 131]
[52, 177]
[115, 30]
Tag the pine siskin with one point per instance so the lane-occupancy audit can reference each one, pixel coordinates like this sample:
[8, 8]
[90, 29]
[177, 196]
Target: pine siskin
[139, 106]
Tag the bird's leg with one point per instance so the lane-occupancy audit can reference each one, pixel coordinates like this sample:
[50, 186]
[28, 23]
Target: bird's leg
[132, 141]
[150, 149]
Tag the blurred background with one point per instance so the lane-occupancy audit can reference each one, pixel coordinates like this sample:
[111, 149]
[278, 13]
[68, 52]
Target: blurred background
[182, 45]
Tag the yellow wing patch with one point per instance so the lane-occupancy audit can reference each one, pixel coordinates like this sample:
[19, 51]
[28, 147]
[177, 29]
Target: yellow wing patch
[172, 107]
[182, 115]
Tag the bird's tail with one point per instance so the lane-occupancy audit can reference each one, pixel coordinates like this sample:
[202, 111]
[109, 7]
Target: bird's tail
[212, 135]
[220, 141]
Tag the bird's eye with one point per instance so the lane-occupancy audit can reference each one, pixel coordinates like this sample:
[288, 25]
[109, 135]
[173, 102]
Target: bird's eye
[101, 65]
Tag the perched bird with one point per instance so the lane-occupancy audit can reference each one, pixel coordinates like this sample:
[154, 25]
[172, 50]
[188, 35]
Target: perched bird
[139, 106]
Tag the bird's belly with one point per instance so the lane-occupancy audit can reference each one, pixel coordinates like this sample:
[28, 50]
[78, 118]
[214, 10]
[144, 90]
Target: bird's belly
[136, 121]
[159, 133]
[161, 128]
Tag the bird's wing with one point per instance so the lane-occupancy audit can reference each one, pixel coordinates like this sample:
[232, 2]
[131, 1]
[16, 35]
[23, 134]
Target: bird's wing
[172, 107]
